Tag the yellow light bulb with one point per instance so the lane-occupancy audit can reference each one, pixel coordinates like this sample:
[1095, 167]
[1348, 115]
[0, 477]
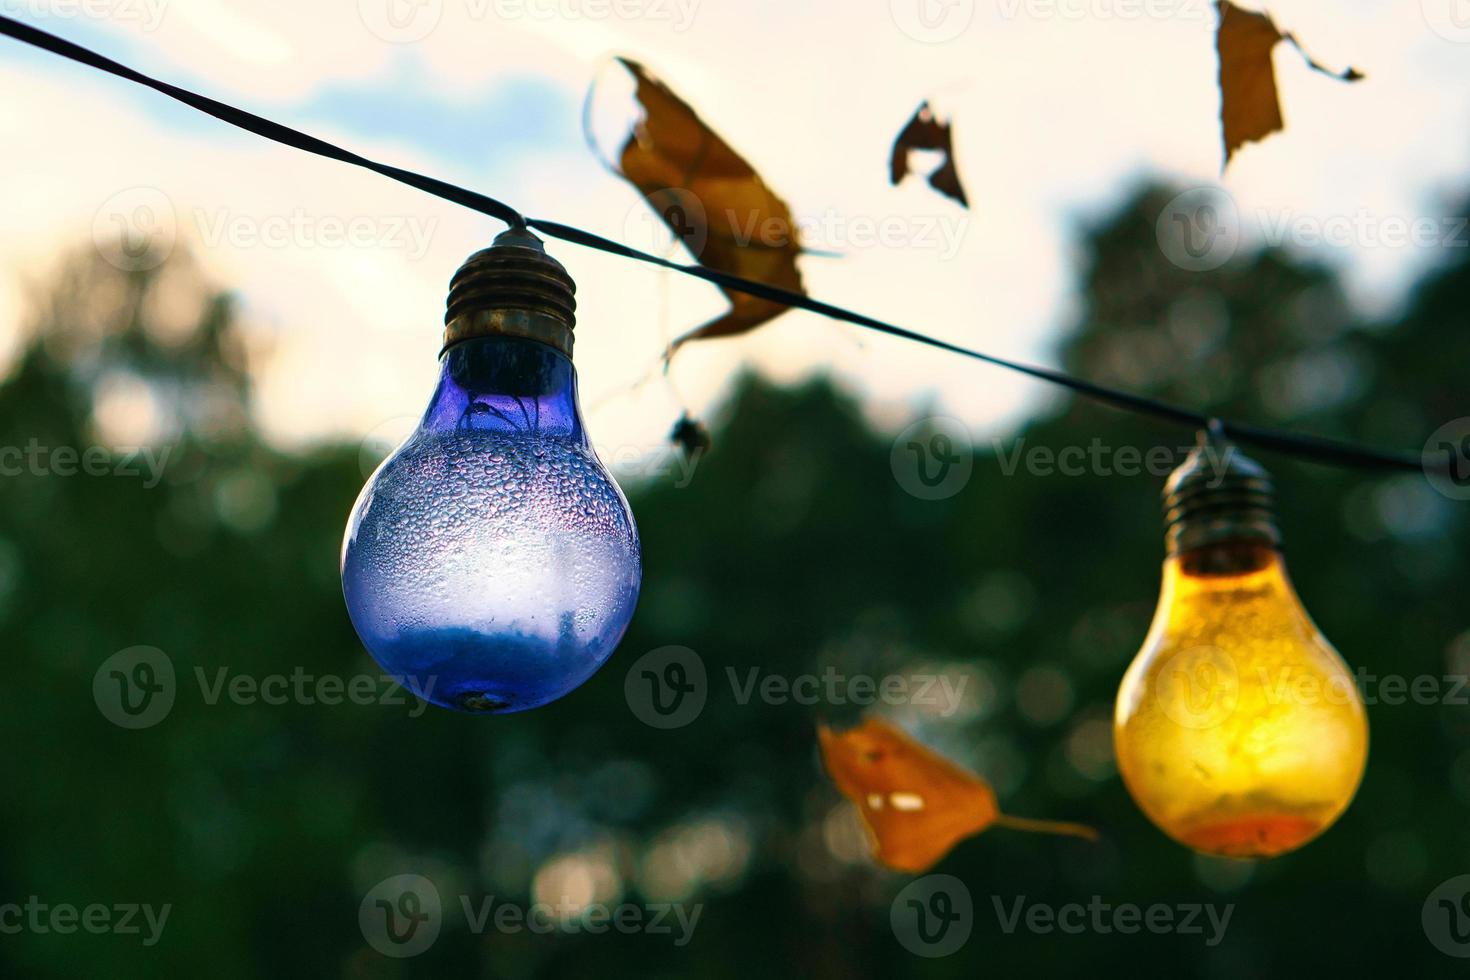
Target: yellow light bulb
[1239, 730]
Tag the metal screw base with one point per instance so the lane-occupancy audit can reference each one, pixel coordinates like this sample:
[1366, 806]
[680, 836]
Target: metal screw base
[512, 289]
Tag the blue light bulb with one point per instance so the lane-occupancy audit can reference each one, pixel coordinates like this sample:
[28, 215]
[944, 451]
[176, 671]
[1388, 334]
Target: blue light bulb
[491, 564]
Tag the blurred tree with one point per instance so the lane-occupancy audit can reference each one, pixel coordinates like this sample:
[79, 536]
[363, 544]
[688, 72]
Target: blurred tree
[793, 551]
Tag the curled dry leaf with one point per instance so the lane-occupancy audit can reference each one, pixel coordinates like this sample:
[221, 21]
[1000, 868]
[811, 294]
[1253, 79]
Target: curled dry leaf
[925, 132]
[713, 201]
[1250, 108]
[916, 804]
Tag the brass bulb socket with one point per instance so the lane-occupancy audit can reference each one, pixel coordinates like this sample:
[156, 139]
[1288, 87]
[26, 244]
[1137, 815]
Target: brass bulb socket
[512, 289]
[1218, 495]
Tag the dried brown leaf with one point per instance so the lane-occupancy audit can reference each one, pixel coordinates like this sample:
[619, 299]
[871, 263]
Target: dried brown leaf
[1250, 107]
[926, 132]
[916, 804]
[713, 201]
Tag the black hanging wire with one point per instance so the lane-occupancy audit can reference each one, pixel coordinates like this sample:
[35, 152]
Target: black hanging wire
[1314, 448]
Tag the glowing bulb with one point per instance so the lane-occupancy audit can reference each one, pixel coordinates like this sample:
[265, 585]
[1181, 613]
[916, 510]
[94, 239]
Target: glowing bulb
[1239, 730]
[491, 564]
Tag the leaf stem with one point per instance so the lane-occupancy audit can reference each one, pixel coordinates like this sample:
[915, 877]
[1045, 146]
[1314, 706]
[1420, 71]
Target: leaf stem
[1046, 827]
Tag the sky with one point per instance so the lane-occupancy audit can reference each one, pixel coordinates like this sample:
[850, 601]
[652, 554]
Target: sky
[1059, 107]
